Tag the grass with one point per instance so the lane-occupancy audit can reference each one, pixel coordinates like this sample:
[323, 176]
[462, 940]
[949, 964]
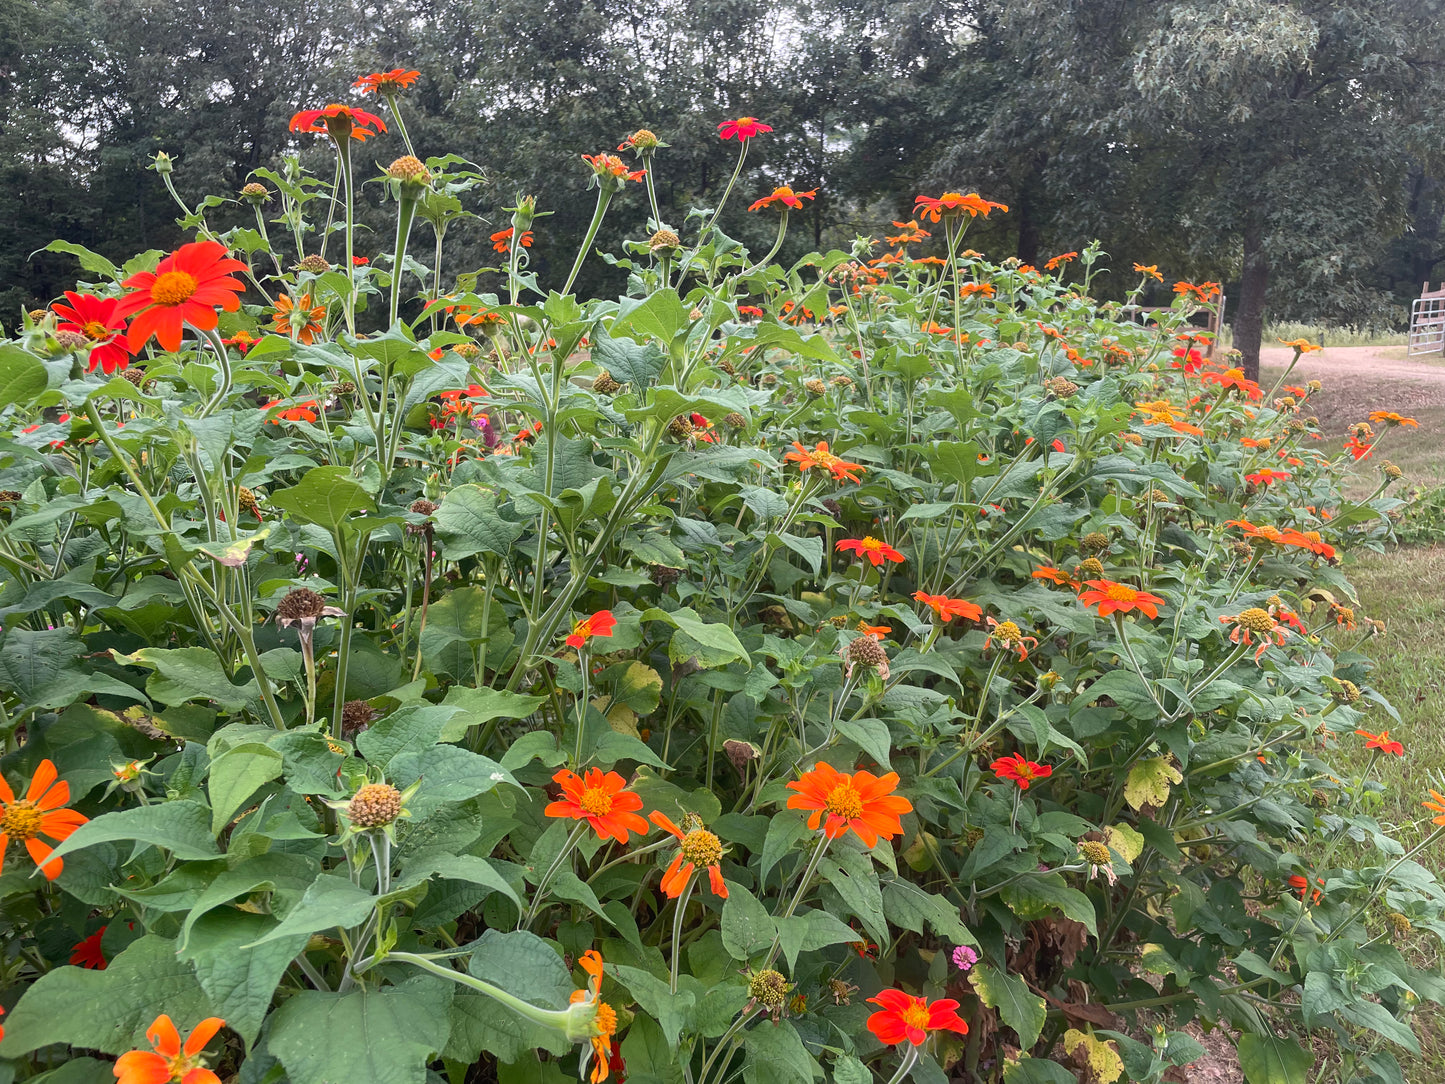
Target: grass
[1347, 335]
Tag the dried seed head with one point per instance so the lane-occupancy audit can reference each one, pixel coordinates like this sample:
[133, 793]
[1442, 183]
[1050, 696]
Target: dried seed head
[774, 615]
[342, 390]
[663, 242]
[246, 502]
[815, 388]
[467, 350]
[314, 265]
[8, 496]
[1256, 620]
[409, 170]
[375, 805]
[644, 139]
[1347, 693]
[842, 382]
[728, 367]
[1391, 471]
[255, 194]
[972, 836]
[1314, 385]
[664, 576]
[1060, 387]
[1095, 853]
[423, 507]
[1131, 438]
[1090, 568]
[681, 428]
[1094, 542]
[603, 384]
[1400, 924]
[734, 420]
[866, 651]
[842, 991]
[769, 989]
[135, 376]
[71, 341]
[300, 604]
[740, 753]
[356, 716]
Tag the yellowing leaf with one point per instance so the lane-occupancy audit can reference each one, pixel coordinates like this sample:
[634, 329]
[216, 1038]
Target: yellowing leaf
[1128, 843]
[1105, 1065]
[1149, 782]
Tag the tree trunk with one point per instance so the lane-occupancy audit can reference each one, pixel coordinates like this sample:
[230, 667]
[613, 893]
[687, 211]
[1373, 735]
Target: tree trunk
[1249, 311]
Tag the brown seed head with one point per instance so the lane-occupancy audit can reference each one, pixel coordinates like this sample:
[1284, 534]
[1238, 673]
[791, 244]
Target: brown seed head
[255, 193]
[1348, 692]
[246, 502]
[815, 388]
[1095, 853]
[1090, 568]
[356, 716]
[866, 651]
[664, 242]
[644, 139]
[1094, 542]
[603, 384]
[681, 428]
[1256, 620]
[300, 604]
[842, 382]
[769, 989]
[71, 341]
[409, 170]
[728, 367]
[375, 805]
[314, 265]
[1400, 924]
[734, 420]
[1061, 387]
[8, 496]
[664, 576]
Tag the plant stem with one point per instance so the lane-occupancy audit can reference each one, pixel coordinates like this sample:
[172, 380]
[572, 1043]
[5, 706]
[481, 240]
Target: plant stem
[604, 197]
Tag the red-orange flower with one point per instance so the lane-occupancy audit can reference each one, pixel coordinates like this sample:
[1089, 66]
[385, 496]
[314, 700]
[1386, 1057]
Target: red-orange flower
[602, 800]
[169, 1061]
[87, 953]
[1266, 476]
[301, 412]
[387, 82]
[243, 340]
[339, 122]
[699, 848]
[609, 165]
[1056, 576]
[1308, 540]
[1113, 597]
[1204, 292]
[749, 310]
[968, 289]
[876, 551]
[1150, 271]
[39, 813]
[820, 456]
[1059, 260]
[604, 1024]
[785, 196]
[1302, 886]
[1234, 378]
[185, 288]
[1382, 741]
[299, 319]
[948, 608]
[902, 1016]
[862, 803]
[955, 203]
[502, 239]
[878, 632]
[1020, 770]
[743, 128]
[1010, 636]
[1385, 417]
[1436, 806]
[96, 318]
[599, 624]
[1358, 448]
[1253, 622]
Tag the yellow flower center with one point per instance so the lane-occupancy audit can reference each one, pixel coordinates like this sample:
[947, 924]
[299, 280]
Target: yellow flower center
[95, 330]
[605, 1022]
[1118, 592]
[871, 544]
[172, 288]
[702, 848]
[916, 1015]
[1095, 852]
[845, 801]
[1007, 632]
[1256, 620]
[596, 801]
[21, 820]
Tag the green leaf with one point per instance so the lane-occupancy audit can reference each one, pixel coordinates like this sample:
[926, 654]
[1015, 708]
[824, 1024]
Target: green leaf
[469, 521]
[661, 316]
[811, 931]
[384, 1036]
[852, 875]
[712, 645]
[657, 1000]
[182, 827]
[77, 1071]
[480, 706]
[238, 975]
[649, 1059]
[189, 673]
[330, 901]
[107, 1010]
[1271, 1059]
[849, 1070]
[908, 906]
[22, 376]
[236, 775]
[524, 965]
[463, 867]
[1035, 897]
[480, 1023]
[627, 362]
[285, 876]
[90, 261]
[326, 496]
[447, 774]
[1029, 1070]
[870, 735]
[1009, 994]
[773, 1054]
[747, 928]
[413, 727]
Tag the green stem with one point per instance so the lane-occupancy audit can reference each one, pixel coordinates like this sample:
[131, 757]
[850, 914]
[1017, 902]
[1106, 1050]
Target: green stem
[406, 212]
[604, 197]
[737, 171]
[541, 891]
[677, 928]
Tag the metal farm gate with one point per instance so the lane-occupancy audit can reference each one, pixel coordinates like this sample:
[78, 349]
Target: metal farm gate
[1427, 322]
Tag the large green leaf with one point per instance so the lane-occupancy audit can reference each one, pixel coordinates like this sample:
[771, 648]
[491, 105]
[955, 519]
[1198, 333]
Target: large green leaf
[330, 901]
[182, 827]
[238, 975]
[661, 316]
[711, 644]
[627, 362]
[236, 775]
[524, 965]
[469, 521]
[184, 674]
[774, 1054]
[1272, 1059]
[747, 928]
[107, 1010]
[483, 705]
[1017, 1007]
[384, 1036]
[22, 376]
[669, 1009]
[326, 496]
[446, 774]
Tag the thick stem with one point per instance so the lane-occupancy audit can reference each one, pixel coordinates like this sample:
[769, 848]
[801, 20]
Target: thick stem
[604, 197]
[406, 212]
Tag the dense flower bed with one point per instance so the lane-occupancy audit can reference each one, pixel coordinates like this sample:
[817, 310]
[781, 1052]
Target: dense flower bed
[896, 663]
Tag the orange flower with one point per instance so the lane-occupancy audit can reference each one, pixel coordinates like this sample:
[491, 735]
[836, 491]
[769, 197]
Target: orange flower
[1059, 260]
[955, 203]
[1302, 886]
[1255, 622]
[609, 165]
[502, 240]
[948, 608]
[1437, 806]
[602, 800]
[1266, 476]
[1386, 417]
[749, 310]
[185, 288]
[1358, 448]
[1234, 378]
[903, 1016]
[1019, 769]
[1262, 533]
[699, 848]
[299, 319]
[1010, 636]
[38, 813]
[785, 196]
[878, 632]
[1304, 346]
[1113, 597]
[242, 341]
[1309, 540]
[911, 234]
[88, 953]
[96, 319]
[871, 548]
[1382, 742]
[301, 412]
[338, 121]
[744, 128]
[169, 1060]
[862, 803]
[1149, 270]
[604, 1024]
[1205, 291]
[387, 82]
[599, 624]
[968, 289]
[839, 468]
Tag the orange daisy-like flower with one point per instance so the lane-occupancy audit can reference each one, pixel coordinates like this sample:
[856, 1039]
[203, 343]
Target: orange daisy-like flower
[96, 318]
[1304, 346]
[169, 1061]
[948, 608]
[905, 1017]
[242, 341]
[1308, 540]
[1057, 576]
[1150, 271]
[1266, 476]
[1234, 378]
[1059, 260]
[609, 165]
[862, 803]
[1204, 292]
[1264, 532]
[1302, 885]
[339, 122]
[1382, 741]
[87, 953]
[387, 82]
[39, 813]
[786, 196]
[955, 203]
[1359, 449]
[599, 624]
[1379, 417]
[743, 128]
[602, 800]
[877, 632]
[1020, 770]
[911, 234]
[1113, 597]
[502, 239]
[299, 318]
[820, 456]
[604, 1024]
[699, 848]
[877, 552]
[185, 288]
[1010, 636]
[1436, 805]
[969, 289]
[749, 310]
[301, 412]
[1253, 622]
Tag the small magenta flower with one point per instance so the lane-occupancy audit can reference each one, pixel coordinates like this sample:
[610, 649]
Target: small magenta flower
[964, 957]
